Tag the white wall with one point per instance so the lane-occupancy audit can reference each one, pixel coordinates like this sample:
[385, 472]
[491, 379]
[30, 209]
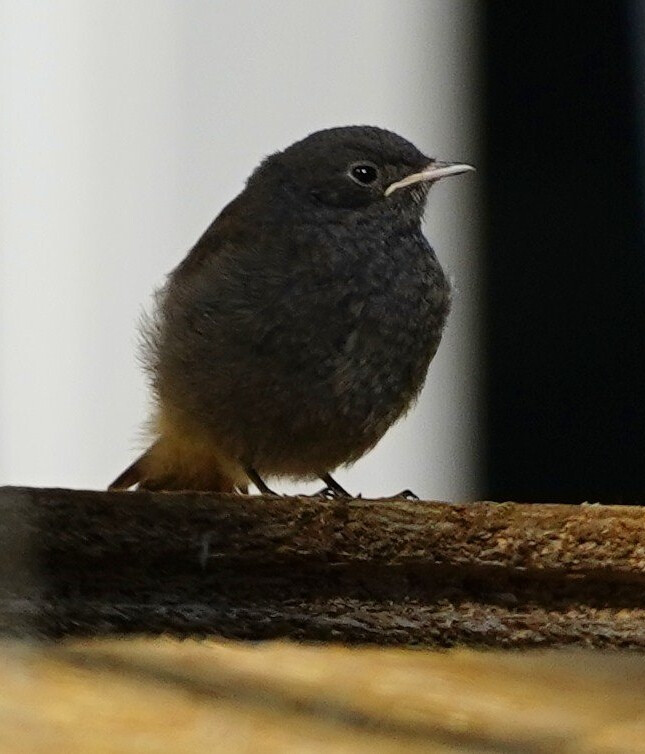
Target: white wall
[125, 125]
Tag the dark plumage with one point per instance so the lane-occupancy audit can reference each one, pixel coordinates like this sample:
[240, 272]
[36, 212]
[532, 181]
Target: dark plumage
[302, 323]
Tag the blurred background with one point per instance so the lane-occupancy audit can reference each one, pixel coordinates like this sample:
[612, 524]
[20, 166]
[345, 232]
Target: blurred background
[126, 126]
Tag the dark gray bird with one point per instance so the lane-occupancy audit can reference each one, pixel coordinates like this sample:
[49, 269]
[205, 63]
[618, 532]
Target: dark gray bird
[301, 325]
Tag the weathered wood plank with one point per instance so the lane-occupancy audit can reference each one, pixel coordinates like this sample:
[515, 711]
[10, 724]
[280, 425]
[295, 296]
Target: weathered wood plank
[389, 572]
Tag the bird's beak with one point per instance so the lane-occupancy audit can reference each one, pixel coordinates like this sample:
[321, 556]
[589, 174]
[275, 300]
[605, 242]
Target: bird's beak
[433, 172]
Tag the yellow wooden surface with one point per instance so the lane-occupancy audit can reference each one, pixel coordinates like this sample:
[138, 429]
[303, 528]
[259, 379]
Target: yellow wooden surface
[150, 696]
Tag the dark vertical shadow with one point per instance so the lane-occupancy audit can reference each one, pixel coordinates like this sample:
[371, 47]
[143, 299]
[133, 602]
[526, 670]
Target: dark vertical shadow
[566, 257]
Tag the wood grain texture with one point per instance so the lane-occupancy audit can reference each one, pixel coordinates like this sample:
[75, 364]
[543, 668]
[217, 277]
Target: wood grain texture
[161, 696]
[386, 572]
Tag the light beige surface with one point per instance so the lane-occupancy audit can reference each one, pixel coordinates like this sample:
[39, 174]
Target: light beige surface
[170, 696]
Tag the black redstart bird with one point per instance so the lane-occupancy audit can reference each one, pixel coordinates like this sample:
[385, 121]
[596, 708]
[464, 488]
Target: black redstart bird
[302, 323]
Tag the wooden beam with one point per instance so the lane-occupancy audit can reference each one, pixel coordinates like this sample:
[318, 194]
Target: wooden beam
[387, 572]
[166, 696]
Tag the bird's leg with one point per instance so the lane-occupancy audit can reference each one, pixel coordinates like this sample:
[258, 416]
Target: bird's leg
[333, 489]
[259, 482]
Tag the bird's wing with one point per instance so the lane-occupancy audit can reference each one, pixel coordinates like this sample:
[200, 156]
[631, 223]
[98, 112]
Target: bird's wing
[220, 233]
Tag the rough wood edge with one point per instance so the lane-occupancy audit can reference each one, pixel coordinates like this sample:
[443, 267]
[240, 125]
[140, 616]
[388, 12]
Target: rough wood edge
[86, 563]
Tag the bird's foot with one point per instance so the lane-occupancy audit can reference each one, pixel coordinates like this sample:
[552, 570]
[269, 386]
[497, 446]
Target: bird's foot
[330, 494]
[332, 490]
[405, 494]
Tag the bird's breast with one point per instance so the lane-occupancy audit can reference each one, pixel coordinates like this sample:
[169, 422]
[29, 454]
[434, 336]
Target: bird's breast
[370, 313]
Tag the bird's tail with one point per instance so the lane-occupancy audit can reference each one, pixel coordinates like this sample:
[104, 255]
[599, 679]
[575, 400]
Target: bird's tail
[132, 476]
[159, 468]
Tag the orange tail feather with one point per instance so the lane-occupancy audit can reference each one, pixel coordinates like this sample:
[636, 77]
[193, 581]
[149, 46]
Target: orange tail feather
[151, 472]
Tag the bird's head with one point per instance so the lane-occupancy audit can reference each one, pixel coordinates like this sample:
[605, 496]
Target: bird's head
[353, 168]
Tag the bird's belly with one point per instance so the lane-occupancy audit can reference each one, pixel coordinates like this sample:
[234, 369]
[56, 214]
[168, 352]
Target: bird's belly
[318, 379]
[330, 395]
[381, 370]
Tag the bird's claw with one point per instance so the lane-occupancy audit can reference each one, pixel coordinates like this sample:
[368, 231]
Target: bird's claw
[330, 494]
[405, 494]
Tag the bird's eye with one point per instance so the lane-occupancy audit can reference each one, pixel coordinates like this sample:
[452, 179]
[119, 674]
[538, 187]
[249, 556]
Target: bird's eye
[363, 173]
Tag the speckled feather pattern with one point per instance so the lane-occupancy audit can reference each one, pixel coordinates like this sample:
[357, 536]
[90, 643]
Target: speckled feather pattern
[302, 324]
